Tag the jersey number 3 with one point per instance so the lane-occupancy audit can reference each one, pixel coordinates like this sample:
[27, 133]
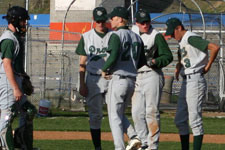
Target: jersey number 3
[187, 62]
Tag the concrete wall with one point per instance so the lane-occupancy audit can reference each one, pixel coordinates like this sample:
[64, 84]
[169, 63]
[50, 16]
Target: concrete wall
[77, 20]
[81, 15]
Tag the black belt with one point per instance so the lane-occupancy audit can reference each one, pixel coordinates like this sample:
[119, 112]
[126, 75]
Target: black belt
[125, 77]
[188, 76]
[144, 71]
[185, 77]
[93, 74]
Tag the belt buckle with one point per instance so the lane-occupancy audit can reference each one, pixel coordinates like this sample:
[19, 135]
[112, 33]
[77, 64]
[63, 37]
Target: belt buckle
[123, 77]
[184, 77]
[93, 74]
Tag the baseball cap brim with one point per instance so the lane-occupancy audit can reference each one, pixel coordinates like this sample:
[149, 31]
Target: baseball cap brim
[172, 23]
[120, 12]
[170, 30]
[111, 15]
[102, 18]
[142, 20]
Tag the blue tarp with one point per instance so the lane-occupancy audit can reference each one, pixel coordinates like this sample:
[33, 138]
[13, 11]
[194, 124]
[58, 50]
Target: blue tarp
[196, 19]
[43, 20]
[40, 20]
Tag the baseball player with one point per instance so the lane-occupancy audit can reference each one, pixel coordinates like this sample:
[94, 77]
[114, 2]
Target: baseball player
[149, 82]
[92, 50]
[193, 64]
[126, 56]
[12, 97]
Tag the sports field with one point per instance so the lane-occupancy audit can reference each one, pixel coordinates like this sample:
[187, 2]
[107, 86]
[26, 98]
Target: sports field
[69, 130]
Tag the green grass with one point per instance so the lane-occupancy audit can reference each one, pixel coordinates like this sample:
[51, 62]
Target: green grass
[107, 145]
[78, 121]
[70, 145]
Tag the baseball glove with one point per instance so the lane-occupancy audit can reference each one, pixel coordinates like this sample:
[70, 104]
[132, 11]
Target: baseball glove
[27, 86]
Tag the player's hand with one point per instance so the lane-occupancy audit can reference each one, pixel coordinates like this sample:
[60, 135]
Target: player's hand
[153, 61]
[17, 94]
[106, 75]
[206, 69]
[83, 90]
[177, 70]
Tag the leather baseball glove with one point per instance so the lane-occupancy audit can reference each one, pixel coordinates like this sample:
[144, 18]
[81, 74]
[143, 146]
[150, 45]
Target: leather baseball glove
[27, 86]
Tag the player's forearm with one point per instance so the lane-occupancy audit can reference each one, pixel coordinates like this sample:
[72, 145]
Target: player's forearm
[114, 46]
[164, 53]
[163, 61]
[214, 49]
[82, 77]
[10, 74]
[82, 69]
[110, 61]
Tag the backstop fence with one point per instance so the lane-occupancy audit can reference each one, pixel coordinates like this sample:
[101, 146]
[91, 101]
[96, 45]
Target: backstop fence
[54, 66]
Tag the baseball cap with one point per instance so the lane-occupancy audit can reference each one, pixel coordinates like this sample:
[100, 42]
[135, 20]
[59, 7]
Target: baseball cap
[120, 12]
[142, 16]
[172, 23]
[100, 14]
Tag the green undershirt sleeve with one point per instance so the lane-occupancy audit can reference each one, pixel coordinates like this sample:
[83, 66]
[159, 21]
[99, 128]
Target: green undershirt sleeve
[199, 43]
[113, 49]
[80, 48]
[7, 48]
[164, 54]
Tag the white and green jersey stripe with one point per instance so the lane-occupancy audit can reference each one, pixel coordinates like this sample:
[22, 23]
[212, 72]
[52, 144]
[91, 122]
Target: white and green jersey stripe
[193, 59]
[95, 48]
[149, 41]
[129, 53]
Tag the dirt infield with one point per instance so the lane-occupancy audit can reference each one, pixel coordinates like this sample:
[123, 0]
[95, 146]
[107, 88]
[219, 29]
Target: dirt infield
[107, 136]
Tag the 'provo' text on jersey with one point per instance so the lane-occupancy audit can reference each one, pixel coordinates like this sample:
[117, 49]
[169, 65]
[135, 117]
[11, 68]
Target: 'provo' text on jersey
[95, 48]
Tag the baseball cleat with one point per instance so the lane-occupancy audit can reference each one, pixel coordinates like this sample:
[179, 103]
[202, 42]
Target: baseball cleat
[133, 144]
[99, 148]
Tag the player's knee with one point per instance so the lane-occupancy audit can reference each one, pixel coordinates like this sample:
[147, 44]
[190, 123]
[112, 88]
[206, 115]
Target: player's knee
[181, 124]
[152, 114]
[198, 130]
[95, 124]
[137, 115]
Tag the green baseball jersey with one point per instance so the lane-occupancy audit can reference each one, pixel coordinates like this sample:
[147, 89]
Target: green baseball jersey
[94, 46]
[12, 47]
[155, 48]
[193, 57]
[126, 52]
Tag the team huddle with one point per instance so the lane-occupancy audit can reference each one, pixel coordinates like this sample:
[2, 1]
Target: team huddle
[117, 66]
[124, 65]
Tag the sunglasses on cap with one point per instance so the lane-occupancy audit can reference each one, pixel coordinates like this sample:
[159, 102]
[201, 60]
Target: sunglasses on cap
[145, 22]
[101, 21]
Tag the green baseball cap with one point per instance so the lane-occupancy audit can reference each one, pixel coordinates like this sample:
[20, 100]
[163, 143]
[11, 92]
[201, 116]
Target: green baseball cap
[100, 14]
[120, 12]
[172, 23]
[142, 16]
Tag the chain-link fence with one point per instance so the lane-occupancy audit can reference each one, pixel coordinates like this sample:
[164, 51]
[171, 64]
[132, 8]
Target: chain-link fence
[212, 29]
[54, 66]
